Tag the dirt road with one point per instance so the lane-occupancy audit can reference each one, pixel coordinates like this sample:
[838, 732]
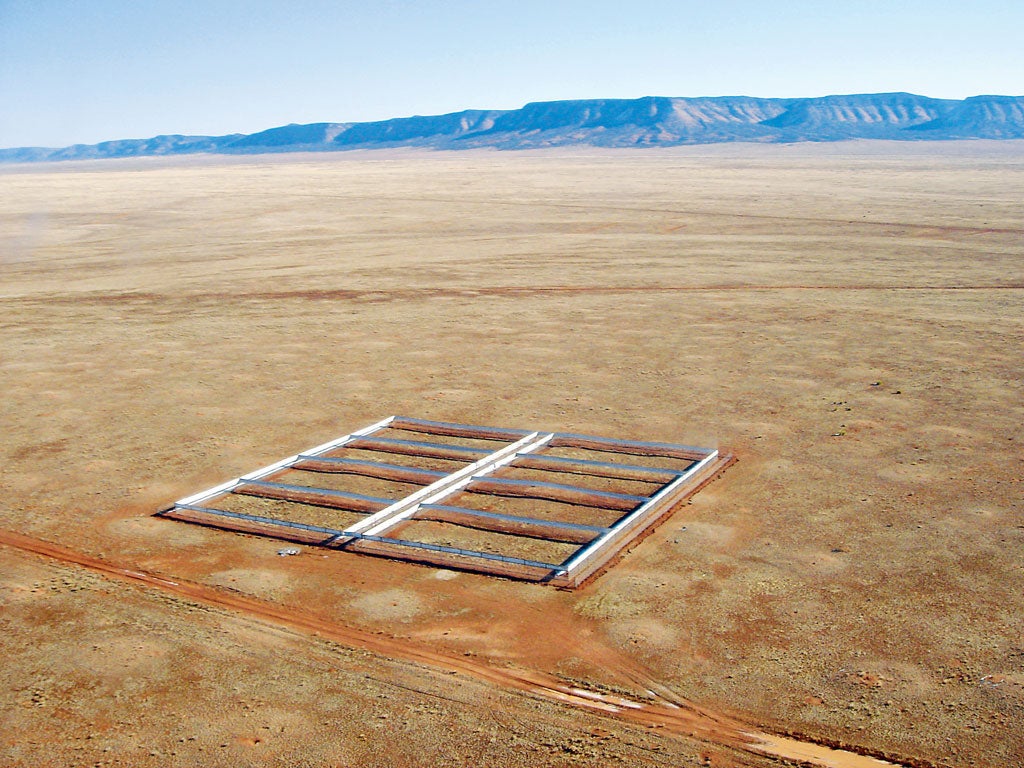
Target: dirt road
[678, 718]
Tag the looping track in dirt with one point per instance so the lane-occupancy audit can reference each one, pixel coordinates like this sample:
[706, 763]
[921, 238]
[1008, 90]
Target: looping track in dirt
[676, 718]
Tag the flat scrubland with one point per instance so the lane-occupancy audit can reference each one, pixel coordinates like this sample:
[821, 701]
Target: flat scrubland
[847, 319]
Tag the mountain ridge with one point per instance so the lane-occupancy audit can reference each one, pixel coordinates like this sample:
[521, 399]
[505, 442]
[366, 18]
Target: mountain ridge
[647, 121]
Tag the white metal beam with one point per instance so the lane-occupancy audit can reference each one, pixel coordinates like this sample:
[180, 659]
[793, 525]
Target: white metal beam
[209, 493]
[386, 518]
[583, 554]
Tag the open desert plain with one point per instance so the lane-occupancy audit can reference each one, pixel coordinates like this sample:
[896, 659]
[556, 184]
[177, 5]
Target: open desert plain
[845, 319]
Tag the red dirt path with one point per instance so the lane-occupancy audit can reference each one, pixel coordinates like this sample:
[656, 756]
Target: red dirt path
[677, 718]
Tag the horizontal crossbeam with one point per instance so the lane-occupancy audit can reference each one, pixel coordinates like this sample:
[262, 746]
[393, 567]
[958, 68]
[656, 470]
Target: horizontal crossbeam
[553, 530]
[399, 543]
[608, 469]
[417, 448]
[317, 497]
[634, 447]
[368, 469]
[569, 494]
[451, 429]
[257, 519]
[471, 553]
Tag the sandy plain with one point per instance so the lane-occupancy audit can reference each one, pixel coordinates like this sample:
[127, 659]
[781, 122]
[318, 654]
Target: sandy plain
[847, 319]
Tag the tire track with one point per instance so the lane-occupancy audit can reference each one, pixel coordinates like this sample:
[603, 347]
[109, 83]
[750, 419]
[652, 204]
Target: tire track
[678, 718]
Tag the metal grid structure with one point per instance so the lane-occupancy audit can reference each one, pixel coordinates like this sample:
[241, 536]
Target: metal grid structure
[465, 479]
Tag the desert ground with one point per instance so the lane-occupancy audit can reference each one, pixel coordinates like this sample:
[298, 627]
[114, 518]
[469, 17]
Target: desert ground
[846, 319]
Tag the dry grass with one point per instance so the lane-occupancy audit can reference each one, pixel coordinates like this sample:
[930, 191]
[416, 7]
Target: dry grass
[847, 319]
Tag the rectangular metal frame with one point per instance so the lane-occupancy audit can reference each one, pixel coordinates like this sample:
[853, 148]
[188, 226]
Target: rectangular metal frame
[376, 534]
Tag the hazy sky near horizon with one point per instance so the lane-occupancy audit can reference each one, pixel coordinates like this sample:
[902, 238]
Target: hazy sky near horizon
[84, 72]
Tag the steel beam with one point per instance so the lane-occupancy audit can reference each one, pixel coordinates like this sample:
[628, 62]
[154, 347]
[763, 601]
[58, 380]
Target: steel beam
[378, 469]
[581, 556]
[417, 448]
[634, 447]
[514, 525]
[283, 463]
[256, 519]
[317, 497]
[386, 518]
[610, 469]
[471, 553]
[453, 429]
[568, 494]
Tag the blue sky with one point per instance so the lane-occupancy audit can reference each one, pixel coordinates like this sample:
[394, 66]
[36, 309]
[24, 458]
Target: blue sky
[86, 71]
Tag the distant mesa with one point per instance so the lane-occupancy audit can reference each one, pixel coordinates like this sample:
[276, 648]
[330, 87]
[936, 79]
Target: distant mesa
[313, 135]
[652, 121]
[979, 117]
[883, 116]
